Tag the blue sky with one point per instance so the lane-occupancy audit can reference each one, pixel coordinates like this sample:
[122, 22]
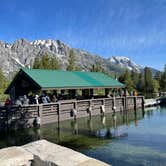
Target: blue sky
[132, 28]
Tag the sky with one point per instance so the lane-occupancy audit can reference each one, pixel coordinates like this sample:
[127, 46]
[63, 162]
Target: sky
[132, 28]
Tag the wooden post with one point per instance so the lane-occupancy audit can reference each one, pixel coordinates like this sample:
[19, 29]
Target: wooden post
[143, 102]
[58, 112]
[75, 111]
[143, 107]
[114, 103]
[103, 102]
[75, 105]
[125, 99]
[40, 113]
[90, 108]
[135, 103]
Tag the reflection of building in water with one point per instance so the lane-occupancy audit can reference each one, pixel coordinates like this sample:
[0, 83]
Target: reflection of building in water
[101, 133]
[118, 132]
[90, 124]
[74, 126]
[114, 120]
[58, 132]
[37, 132]
[114, 131]
[103, 120]
[135, 119]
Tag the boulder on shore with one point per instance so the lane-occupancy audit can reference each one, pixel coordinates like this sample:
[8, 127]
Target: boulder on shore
[53, 154]
[44, 153]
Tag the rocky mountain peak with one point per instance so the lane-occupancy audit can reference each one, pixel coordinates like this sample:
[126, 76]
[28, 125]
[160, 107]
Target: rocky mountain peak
[125, 62]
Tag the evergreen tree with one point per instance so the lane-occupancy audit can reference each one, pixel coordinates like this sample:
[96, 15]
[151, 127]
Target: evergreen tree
[3, 82]
[98, 68]
[148, 80]
[155, 85]
[54, 64]
[157, 77]
[163, 80]
[135, 79]
[36, 64]
[71, 66]
[141, 83]
[126, 79]
[45, 62]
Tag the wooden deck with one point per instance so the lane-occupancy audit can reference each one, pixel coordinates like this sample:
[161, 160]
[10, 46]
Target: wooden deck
[27, 116]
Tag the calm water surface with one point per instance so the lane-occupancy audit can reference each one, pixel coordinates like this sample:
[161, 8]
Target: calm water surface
[136, 139]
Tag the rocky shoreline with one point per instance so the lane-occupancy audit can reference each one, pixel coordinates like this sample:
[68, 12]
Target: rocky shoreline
[44, 153]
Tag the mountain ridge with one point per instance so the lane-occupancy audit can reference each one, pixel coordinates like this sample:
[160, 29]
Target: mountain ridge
[23, 52]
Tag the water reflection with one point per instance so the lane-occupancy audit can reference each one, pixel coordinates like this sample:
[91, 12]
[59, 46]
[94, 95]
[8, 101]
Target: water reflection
[129, 138]
[97, 127]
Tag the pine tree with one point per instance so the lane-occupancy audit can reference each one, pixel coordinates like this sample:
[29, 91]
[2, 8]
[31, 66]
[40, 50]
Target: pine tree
[126, 79]
[155, 85]
[135, 79]
[71, 66]
[157, 77]
[45, 62]
[163, 80]
[98, 68]
[36, 64]
[148, 80]
[3, 82]
[141, 83]
[54, 64]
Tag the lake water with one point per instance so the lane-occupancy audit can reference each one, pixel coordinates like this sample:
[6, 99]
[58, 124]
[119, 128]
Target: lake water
[136, 139]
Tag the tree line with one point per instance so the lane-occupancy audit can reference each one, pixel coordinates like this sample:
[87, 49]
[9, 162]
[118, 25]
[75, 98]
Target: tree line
[47, 62]
[4, 82]
[144, 82]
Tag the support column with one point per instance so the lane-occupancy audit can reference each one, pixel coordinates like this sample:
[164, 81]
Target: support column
[135, 103]
[72, 93]
[58, 112]
[107, 92]
[83, 92]
[125, 99]
[91, 93]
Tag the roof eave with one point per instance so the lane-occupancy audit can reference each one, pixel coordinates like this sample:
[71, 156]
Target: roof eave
[82, 87]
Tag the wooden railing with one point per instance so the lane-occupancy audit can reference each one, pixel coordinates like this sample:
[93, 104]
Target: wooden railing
[60, 111]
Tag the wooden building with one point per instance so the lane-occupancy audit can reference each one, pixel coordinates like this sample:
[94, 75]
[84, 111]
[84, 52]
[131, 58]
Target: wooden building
[36, 80]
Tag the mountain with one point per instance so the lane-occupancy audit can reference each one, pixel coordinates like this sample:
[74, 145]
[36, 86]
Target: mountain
[22, 53]
[125, 62]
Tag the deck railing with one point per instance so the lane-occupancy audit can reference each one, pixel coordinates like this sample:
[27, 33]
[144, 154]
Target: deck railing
[62, 110]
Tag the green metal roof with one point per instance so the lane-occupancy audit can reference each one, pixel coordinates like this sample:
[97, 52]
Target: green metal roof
[70, 79]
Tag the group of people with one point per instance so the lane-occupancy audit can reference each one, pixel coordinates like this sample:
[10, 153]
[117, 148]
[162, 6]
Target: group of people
[32, 99]
[53, 97]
